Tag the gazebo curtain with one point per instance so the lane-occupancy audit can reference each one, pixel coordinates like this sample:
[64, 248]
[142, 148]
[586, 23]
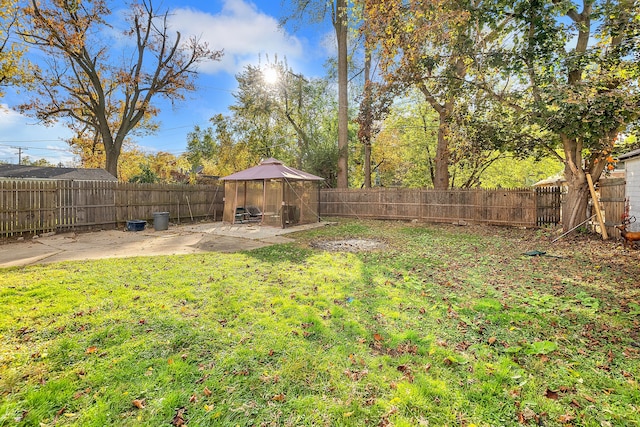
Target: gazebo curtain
[281, 202]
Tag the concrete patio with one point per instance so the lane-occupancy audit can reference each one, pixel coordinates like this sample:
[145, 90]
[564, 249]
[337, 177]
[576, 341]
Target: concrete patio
[178, 239]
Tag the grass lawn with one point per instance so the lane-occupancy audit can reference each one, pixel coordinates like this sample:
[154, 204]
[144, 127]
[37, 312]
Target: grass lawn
[445, 326]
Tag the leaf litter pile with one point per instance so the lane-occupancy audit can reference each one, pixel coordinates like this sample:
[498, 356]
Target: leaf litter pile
[441, 326]
[349, 245]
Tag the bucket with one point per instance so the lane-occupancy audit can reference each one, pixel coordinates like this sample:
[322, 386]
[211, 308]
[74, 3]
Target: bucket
[160, 221]
[136, 225]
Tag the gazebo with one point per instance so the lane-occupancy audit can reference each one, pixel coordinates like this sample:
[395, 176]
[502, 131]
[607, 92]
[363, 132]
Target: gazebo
[271, 194]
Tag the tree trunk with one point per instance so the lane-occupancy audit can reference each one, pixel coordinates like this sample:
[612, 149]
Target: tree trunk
[367, 119]
[340, 25]
[112, 157]
[367, 164]
[112, 149]
[574, 208]
[441, 177]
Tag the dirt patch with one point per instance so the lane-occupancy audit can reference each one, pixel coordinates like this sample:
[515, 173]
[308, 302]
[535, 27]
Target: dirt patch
[349, 245]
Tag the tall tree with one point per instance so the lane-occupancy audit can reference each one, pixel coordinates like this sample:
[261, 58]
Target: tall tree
[221, 145]
[375, 99]
[86, 84]
[277, 113]
[580, 82]
[317, 10]
[339, 18]
[433, 46]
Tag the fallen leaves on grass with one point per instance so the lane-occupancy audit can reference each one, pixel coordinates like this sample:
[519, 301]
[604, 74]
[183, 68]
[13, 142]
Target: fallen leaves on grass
[356, 375]
[526, 415]
[566, 418]
[279, 397]
[138, 403]
[179, 418]
[550, 394]
[81, 393]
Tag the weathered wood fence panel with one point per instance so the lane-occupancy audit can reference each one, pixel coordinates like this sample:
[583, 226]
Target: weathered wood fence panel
[377, 203]
[85, 204]
[35, 206]
[499, 207]
[183, 202]
[612, 202]
[27, 207]
[549, 203]
[39, 206]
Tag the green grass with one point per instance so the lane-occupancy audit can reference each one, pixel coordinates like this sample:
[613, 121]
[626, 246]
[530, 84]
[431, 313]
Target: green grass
[447, 326]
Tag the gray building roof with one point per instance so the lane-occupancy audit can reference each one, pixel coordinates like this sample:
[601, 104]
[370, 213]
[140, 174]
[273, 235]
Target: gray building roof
[629, 155]
[40, 172]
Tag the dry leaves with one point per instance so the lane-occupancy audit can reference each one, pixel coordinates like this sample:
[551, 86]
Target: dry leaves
[138, 403]
[550, 394]
[179, 418]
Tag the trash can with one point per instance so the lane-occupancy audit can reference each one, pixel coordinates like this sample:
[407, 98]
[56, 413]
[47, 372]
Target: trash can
[136, 225]
[160, 221]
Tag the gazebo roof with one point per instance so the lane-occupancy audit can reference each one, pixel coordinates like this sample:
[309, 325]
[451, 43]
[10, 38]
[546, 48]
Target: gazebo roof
[271, 169]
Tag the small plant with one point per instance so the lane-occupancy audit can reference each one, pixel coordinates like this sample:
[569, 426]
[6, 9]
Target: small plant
[146, 176]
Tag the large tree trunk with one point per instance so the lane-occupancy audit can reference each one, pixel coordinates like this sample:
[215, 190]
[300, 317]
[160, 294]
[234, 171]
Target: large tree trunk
[574, 208]
[441, 176]
[367, 119]
[340, 25]
[575, 205]
[112, 157]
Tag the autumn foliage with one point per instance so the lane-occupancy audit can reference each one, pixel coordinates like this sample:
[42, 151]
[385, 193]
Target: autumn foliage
[103, 93]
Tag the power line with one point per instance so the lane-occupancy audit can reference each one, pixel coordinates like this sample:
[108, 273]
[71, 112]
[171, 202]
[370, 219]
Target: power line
[25, 147]
[30, 140]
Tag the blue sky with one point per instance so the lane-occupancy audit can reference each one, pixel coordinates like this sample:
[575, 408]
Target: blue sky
[249, 34]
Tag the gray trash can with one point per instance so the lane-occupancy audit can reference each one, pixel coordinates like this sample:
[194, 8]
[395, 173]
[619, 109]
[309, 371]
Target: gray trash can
[160, 221]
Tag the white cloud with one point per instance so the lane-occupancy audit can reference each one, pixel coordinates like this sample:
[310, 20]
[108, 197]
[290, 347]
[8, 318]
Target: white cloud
[36, 141]
[241, 30]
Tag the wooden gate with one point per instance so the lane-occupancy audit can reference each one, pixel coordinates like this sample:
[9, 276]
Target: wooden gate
[612, 201]
[548, 206]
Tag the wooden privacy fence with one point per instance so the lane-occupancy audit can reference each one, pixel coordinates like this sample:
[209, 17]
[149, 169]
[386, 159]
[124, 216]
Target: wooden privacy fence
[612, 202]
[39, 206]
[524, 207]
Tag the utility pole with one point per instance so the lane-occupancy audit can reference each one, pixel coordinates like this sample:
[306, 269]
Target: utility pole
[20, 149]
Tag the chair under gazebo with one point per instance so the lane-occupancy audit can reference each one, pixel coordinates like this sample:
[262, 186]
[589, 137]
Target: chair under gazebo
[271, 194]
